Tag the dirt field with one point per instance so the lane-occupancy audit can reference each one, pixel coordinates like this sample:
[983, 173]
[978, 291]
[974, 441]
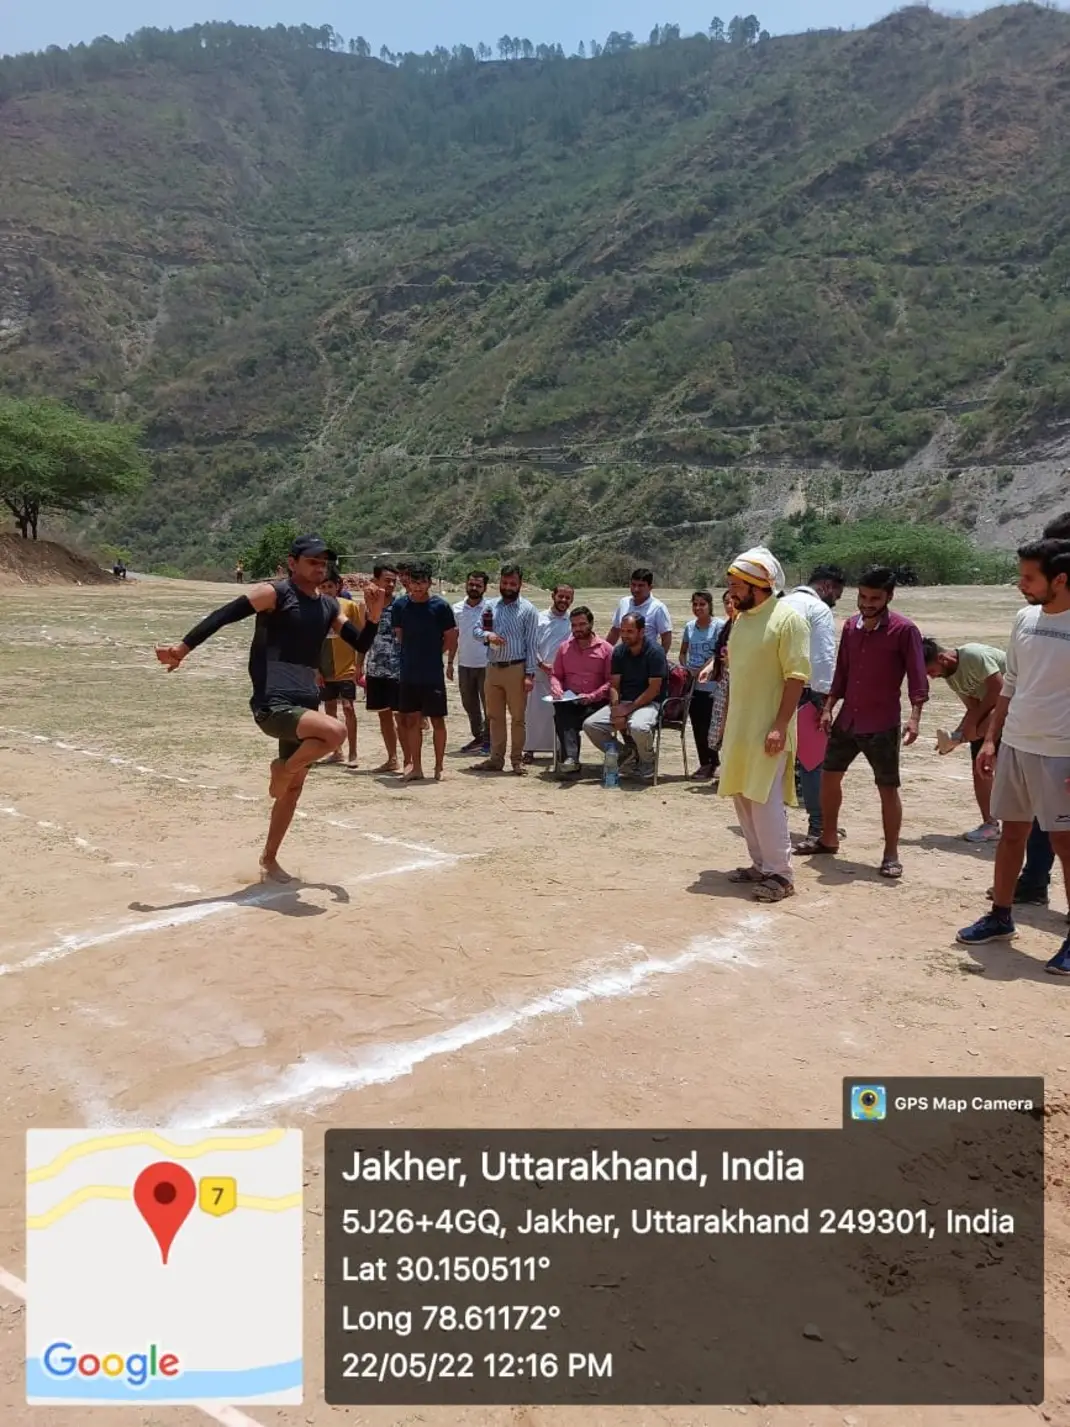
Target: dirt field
[145, 979]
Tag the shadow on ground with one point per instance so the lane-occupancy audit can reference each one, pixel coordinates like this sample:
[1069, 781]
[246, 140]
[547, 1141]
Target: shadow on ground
[266, 896]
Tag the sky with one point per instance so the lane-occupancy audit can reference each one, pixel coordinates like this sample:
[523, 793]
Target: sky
[418, 24]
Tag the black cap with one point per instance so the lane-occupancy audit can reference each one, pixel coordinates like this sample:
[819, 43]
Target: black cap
[310, 545]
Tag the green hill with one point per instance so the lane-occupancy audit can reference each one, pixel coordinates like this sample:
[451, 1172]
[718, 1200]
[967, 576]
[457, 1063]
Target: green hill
[469, 305]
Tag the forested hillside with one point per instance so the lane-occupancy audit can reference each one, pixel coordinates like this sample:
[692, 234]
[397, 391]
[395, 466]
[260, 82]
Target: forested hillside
[505, 296]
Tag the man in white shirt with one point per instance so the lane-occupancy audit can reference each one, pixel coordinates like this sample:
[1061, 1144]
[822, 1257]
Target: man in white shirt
[555, 626]
[1030, 728]
[472, 659]
[658, 626]
[815, 601]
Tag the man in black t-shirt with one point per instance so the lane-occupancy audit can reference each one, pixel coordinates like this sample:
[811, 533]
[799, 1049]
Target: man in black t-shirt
[639, 676]
[292, 621]
[425, 629]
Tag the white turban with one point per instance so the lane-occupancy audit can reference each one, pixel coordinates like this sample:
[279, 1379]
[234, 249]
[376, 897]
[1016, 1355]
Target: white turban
[758, 567]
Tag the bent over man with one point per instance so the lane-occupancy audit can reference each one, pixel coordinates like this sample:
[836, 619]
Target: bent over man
[292, 621]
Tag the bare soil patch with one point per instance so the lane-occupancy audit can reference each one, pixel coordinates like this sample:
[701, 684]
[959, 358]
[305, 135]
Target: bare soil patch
[412, 979]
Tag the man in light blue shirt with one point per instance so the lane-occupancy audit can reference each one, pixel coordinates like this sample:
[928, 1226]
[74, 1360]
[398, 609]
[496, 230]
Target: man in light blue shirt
[658, 620]
[472, 658]
[511, 633]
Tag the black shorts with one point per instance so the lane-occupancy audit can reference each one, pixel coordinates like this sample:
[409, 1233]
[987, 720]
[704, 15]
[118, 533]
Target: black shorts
[975, 748]
[381, 693]
[880, 750]
[334, 689]
[426, 699]
[280, 721]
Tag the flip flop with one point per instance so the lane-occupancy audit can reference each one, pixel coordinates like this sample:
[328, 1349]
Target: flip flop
[892, 868]
[745, 874]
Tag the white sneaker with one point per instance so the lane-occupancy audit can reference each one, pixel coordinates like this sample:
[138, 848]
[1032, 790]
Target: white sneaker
[987, 832]
[947, 742]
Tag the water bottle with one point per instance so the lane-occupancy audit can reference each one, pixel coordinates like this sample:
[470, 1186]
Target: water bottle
[611, 766]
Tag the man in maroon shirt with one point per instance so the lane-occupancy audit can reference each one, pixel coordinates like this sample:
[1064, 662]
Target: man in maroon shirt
[878, 650]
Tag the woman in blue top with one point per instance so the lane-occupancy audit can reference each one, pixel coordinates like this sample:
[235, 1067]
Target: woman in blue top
[696, 649]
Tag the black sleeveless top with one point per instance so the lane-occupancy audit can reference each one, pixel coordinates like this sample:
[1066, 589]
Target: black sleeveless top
[287, 644]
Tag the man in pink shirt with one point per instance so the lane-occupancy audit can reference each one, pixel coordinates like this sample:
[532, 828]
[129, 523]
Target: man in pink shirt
[581, 669]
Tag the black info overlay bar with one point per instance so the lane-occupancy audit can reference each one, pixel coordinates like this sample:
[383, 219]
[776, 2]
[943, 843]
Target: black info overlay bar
[897, 1259]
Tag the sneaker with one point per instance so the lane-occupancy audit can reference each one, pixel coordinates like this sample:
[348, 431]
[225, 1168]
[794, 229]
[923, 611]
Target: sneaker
[947, 742]
[475, 745]
[1059, 965]
[483, 749]
[570, 765]
[645, 771]
[985, 929]
[987, 832]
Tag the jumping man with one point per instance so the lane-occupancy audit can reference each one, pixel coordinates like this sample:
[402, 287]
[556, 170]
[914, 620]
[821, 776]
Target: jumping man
[292, 621]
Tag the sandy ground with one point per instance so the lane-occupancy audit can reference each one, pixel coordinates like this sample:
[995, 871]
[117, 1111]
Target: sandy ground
[145, 984]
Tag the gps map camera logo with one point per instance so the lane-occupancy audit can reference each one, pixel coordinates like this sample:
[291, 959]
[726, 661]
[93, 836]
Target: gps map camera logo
[868, 1102]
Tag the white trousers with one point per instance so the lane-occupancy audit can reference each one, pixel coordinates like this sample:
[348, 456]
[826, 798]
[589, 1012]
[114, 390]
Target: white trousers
[765, 827]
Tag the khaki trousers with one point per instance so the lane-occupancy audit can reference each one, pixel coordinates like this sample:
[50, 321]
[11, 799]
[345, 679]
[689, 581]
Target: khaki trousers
[504, 692]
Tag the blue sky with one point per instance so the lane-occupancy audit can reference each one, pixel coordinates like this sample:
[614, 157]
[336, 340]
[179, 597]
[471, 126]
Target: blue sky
[413, 24]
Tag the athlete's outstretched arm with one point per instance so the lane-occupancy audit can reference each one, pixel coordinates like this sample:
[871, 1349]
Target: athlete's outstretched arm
[259, 597]
[363, 638]
[359, 639]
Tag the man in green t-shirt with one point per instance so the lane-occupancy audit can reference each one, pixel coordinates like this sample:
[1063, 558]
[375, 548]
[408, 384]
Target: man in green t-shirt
[975, 673]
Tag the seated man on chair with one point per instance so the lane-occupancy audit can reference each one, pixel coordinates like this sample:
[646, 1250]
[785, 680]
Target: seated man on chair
[639, 673]
[582, 667]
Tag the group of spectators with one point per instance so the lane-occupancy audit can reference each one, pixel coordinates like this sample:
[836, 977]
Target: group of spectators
[780, 706]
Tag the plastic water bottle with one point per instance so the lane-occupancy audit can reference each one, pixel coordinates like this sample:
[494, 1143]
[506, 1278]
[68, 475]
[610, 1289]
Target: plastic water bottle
[611, 766]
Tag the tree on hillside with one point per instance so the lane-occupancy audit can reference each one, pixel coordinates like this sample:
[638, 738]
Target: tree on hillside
[52, 458]
[271, 549]
[743, 30]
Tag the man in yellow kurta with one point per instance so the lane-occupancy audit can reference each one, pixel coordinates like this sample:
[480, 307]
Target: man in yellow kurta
[769, 651]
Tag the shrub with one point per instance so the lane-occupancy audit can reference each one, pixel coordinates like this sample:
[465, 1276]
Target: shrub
[935, 554]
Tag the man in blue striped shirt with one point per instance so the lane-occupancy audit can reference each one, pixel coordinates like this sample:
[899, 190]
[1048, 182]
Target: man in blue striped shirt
[510, 631]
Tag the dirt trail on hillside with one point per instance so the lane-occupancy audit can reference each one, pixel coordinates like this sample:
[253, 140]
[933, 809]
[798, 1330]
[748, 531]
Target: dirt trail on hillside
[45, 562]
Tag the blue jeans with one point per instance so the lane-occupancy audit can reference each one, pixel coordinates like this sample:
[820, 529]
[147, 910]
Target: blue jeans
[1039, 860]
[808, 781]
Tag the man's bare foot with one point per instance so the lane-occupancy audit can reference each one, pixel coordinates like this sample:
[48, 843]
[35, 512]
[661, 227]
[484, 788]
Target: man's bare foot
[279, 780]
[390, 766]
[270, 871]
[438, 772]
[413, 775]
[351, 761]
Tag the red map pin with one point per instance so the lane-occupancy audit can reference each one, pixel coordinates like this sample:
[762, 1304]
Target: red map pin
[164, 1194]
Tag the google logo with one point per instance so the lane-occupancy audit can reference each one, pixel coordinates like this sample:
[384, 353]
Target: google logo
[60, 1360]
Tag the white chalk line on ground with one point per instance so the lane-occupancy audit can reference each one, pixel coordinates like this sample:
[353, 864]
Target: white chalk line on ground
[114, 759]
[83, 845]
[149, 772]
[67, 945]
[316, 1080]
[228, 1416]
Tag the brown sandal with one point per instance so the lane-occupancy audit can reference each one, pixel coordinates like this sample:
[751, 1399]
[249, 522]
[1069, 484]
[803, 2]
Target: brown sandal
[774, 889]
[746, 874]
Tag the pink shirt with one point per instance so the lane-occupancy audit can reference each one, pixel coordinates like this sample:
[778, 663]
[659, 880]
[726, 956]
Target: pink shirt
[580, 670]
